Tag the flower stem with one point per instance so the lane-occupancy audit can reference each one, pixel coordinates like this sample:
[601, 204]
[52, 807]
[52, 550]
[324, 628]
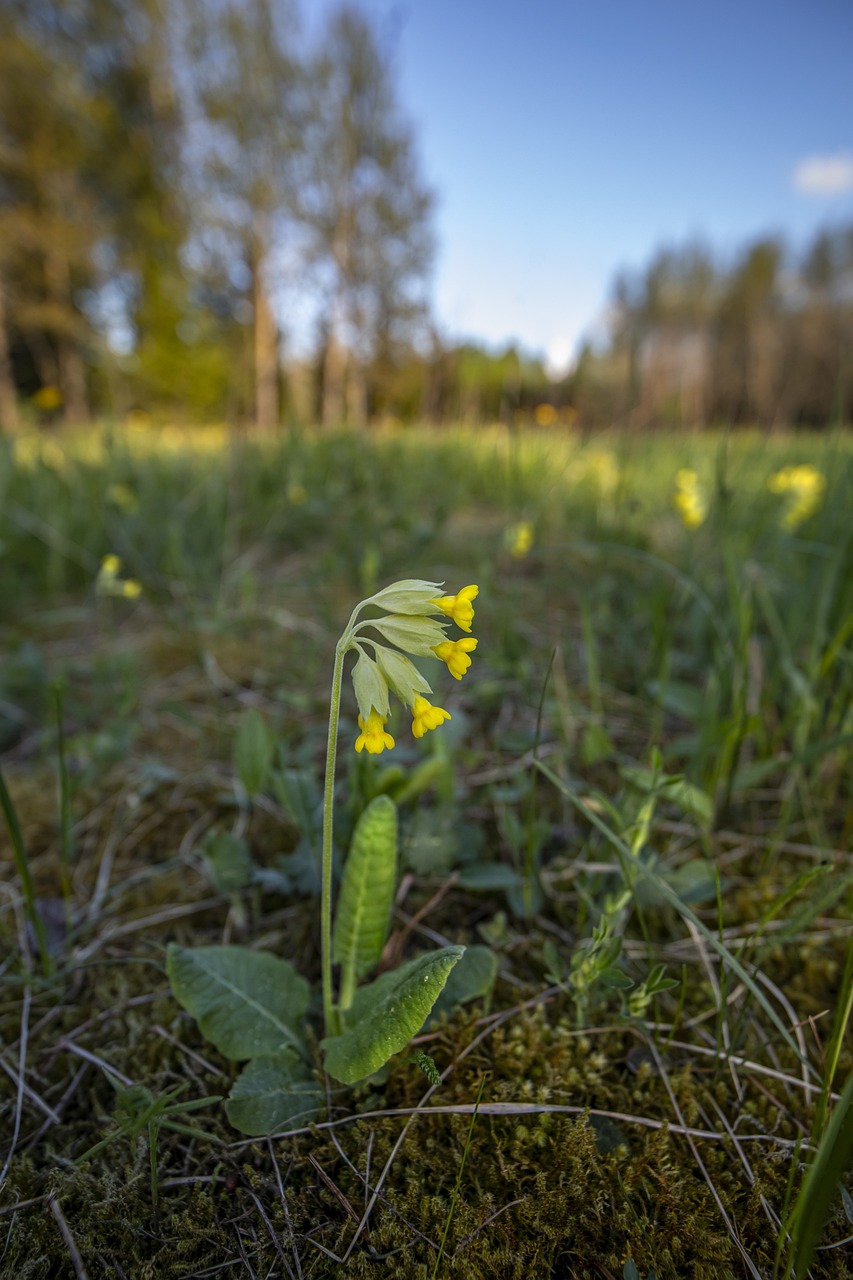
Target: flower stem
[329, 1012]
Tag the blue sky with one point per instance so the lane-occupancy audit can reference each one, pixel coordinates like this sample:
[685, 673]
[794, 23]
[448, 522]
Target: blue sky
[566, 140]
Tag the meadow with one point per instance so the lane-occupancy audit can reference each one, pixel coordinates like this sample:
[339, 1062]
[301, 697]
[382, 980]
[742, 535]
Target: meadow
[638, 820]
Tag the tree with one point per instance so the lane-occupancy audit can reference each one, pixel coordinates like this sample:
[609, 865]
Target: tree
[748, 365]
[90, 185]
[249, 135]
[366, 206]
[48, 223]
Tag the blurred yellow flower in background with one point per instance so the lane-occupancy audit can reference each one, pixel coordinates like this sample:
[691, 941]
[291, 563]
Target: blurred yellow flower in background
[545, 415]
[803, 486]
[108, 582]
[689, 498]
[519, 539]
[47, 399]
[604, 470]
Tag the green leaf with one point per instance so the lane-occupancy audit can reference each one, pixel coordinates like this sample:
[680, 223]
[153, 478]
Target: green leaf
[471, 978]
[616, 979]
[367, 891]
[427, 1066]
[693, 881]
[676, 790]
[489, 876]
[395, 1008]
[820, 1186]
[596, 744]
[245, 1002]
[272, 1091]
[253, 751]
[228, 863]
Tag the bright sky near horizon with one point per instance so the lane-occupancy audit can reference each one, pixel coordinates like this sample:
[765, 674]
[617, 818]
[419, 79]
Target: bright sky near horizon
[566, 140]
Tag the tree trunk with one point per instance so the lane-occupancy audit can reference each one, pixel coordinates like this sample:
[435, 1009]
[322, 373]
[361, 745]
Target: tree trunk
[266, 352]
[72, 381]
[356, 395]
[8, 403]
[334, 371]
[71, 371]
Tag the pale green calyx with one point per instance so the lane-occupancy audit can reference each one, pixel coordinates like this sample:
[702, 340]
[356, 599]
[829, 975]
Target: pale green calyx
[411, 596]
[371, 687]
[417, 635]
[402, 674]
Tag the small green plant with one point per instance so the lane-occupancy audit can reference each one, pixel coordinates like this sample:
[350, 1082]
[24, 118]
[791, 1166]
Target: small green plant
[594, 967]
[138, 1111]
[252, 1005]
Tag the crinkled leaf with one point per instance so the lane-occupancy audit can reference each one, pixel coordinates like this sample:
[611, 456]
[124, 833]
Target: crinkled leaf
[245, 1002]
[367, 889]
[272, 1091]
[395, 1009]
[471, 978]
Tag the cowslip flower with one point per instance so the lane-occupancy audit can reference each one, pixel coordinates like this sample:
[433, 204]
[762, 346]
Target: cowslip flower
[373, 737]
[804, 486]
[425, 716]
[455, 654]
[459, 607]
[689, 499]
[383, 665]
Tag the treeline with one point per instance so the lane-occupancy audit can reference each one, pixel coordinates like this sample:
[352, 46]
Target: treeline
[766, 339]
[179, 179]
[206, 214]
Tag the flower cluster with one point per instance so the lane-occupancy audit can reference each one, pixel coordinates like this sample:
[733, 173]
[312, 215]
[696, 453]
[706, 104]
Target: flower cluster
[803, 486]
[408, 625]
[108, 582]
[689, 498]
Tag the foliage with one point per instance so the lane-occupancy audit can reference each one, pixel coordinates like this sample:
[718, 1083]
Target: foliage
[702, 858]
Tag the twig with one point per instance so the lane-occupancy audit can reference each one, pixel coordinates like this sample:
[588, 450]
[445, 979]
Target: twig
[273, 1235]
[65, 1232]
[22, 1064]
[65, 1043]
[285, 1207]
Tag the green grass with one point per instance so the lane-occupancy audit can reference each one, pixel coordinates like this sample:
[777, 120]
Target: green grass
[652, 749]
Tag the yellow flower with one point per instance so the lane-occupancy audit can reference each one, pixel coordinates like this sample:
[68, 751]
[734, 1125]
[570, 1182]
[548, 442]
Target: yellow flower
[455, 654]
[546, 415]
[804, 485]
[425, 716]
[520, 539]
[373, 735]
[108, 583]
[459, 607]
[47, 398]
[689, 498]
